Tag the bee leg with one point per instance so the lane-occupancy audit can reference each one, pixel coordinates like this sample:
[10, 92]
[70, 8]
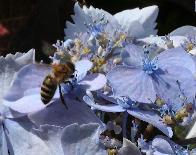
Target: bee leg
[61, 96]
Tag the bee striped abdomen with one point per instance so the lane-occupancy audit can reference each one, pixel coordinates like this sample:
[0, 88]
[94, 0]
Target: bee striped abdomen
[48, 89]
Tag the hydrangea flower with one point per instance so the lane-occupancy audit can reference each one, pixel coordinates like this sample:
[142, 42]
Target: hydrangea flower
[141, 113]
[138, 23]
[24, 101]
[73, 139]
[15, 129]
[142, 78]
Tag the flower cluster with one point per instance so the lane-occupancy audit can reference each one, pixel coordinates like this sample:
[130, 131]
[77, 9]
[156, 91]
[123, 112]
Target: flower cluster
[127, 84]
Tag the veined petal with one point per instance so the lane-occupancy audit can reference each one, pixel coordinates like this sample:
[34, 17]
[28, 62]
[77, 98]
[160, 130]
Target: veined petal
[28, 77]
[106, 108]
[83, 139]
[22, 140]
[56, 114]
[93, 82]
[132, 83]
[9, 66]
[151, 118]
[26, 105]
[162, 146]
[173, 82]
[145, 18]
[177, 57]
[51, 135]
[132, 56]
[79, 23]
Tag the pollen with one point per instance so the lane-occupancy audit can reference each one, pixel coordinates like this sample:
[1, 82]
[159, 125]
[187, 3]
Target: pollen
[189, 47]
[98, 64]
[85, 50]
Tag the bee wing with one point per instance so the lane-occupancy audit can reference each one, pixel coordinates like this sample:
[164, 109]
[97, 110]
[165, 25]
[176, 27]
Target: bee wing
[47, 48]
[29, 77]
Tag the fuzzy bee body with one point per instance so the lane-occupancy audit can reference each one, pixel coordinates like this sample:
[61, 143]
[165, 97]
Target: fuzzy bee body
[60, 74]
[48, 89]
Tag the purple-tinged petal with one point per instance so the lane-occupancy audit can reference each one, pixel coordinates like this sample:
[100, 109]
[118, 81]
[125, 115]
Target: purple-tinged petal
[9, 66]
[3, 142]
[30, 76]
[22, 140]
[51, 135]
[82, 139]
[57, 114]
[173, 82]
[153, 119]
[27, 104]
[162, 146]
[177, 57]
[184, 31]
[132, 83]
[93, 82]
[107, 108]
[132, 56]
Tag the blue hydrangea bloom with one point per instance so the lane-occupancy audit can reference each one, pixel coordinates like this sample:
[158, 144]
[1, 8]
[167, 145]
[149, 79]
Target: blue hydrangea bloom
[142, 77]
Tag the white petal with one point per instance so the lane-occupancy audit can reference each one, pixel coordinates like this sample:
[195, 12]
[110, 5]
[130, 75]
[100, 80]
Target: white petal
[129, 147]
[82, 67]
[9, 65]
[192, 132]
[136, 20]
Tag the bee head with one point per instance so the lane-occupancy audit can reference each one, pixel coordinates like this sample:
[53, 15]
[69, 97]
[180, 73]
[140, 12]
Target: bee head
[63, 71]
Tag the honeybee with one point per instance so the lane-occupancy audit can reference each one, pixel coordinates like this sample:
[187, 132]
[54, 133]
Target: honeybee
[60, 74]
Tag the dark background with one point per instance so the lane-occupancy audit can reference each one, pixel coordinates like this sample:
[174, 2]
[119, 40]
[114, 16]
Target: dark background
[29, 22]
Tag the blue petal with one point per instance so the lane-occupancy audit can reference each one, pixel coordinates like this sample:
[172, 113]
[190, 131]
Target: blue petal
[132, 83]
[30, 76]
[184, 31]
[3, 141]
[22, 140]
[151, 118]
[168, 88]
[177, 57]
[132, 56]
[58, 115]
[106, 108]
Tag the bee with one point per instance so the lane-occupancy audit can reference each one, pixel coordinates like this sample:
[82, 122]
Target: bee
[61, 73]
